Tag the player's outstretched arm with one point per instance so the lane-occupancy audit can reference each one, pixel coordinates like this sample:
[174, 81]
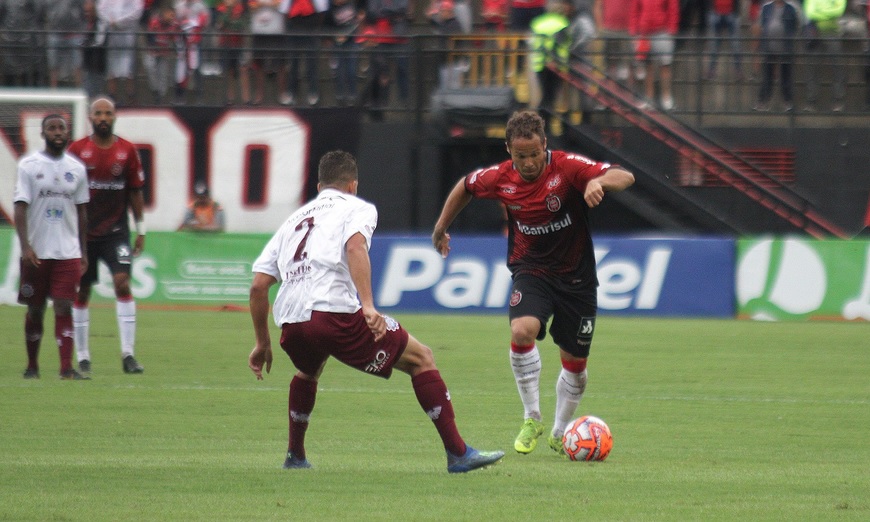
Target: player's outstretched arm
[457, 200]
[615, 179]
[261, 355]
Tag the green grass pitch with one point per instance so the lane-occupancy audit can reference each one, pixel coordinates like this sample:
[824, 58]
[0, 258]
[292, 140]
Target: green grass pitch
[712, 420]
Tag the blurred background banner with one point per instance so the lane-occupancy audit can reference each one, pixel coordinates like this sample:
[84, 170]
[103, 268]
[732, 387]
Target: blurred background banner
[798, 278]
[770, 278]
[639, 276]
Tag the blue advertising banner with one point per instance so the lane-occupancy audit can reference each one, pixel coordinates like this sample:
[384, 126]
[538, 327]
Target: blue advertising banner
[638, 276]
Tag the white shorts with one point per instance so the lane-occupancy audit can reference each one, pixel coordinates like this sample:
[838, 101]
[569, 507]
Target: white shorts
[661, 48]
[120, 55]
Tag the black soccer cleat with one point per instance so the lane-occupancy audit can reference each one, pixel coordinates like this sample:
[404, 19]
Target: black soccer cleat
[130, 365]
[72, 375]
[31, 373]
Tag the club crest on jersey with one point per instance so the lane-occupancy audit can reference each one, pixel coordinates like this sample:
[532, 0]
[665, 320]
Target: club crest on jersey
[117, 168]
[516, 297]
[392, 324]
[553, 203]
[509, 189]
[68, 176]
[87, 153]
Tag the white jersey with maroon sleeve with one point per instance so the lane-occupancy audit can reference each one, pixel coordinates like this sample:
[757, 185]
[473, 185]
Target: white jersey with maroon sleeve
[307, 255]
[52, 187]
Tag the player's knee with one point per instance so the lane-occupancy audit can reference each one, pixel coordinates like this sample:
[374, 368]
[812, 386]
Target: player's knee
[524, 333]
[122, 286]
[62, 307]
[417, 357]
[36, 311]
[425, 358]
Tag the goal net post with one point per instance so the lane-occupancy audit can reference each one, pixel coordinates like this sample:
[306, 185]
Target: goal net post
[21, 114]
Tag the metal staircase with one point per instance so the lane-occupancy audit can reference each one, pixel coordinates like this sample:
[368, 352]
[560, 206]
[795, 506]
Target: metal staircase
[734, 171]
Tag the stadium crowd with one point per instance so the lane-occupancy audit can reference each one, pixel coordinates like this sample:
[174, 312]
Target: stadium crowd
[360, 52]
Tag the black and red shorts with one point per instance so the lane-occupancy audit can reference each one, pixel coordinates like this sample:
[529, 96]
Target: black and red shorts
[115, 252]
[573, 308]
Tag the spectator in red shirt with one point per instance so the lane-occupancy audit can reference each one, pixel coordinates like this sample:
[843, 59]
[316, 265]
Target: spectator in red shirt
[163, 45]
[494, 14]
[611, 16]
[654, 23]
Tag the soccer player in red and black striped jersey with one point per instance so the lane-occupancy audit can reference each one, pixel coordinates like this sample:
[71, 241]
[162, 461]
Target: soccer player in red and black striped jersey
[116, 179]
[547, 194]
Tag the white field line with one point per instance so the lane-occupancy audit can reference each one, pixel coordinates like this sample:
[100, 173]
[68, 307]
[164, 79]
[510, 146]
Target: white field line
[380, 390]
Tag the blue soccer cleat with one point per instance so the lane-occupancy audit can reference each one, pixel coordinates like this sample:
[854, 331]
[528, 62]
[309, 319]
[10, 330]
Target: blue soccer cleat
[294, 462]
[472, 459]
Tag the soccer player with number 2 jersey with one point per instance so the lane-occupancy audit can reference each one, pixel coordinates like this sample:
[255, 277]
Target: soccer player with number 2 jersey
[325, 308]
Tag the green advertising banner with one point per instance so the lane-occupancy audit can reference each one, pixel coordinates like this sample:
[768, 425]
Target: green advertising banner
[797, 278]
[176, 267]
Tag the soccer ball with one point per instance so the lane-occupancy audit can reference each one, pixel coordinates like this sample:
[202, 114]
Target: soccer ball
[587, 438]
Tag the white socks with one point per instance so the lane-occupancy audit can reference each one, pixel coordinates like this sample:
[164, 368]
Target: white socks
[569, 391]
[527, 373]
[126, 311]
[81, 325]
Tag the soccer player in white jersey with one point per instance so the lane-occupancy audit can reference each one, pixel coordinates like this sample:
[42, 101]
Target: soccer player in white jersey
[51, 221]
[325, 307]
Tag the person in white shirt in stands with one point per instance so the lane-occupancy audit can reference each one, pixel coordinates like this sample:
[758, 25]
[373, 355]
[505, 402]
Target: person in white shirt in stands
[51, 194]
[121, 19]
[325, 307]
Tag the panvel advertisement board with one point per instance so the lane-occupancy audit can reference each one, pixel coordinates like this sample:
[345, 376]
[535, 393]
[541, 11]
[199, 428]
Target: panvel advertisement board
[637, 276]
[673, 277]
[798, 278]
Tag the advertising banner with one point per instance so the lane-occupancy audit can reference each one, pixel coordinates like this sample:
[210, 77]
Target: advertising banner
[638, 276]
[797, 278]
[184, 268]
[680, 277]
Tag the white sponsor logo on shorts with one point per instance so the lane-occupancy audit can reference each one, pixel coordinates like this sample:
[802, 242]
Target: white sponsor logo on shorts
[380, 361]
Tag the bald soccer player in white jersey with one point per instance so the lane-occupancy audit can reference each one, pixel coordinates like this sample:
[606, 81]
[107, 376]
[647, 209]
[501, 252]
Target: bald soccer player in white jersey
[325, 307]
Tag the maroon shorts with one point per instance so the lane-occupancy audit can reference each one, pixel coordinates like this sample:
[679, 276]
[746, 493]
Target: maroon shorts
[347, 338]
[55, 278]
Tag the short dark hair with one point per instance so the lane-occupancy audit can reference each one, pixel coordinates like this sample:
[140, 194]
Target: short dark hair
[53, 116]
[336, 167]
[524, 124]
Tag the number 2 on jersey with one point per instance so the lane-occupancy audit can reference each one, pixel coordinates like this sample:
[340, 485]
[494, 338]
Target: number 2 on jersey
[308, 225]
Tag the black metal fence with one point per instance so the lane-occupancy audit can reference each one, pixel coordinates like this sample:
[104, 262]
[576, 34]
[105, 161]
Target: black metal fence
[396, 78]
